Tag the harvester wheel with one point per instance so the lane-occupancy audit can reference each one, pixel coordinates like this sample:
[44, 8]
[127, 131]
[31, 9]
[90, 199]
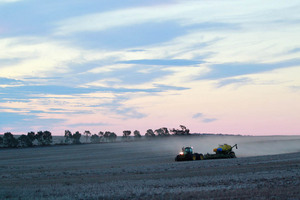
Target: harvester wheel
[179, 158]
[201, 157]
[232, 155]
[194, 157]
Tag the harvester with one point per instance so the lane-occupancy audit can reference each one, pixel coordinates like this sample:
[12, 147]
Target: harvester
[223, 151]
[187, 154]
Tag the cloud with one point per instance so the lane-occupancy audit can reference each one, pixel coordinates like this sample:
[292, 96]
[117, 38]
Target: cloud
[227, 70]
[295, 88]
[203, 118]
[170, 62]
[147, 75]
[125, 17]
[235, 81]
[43, 103]
[6, 82]
[17, 122]
[106, 20]
[209, 120]
[127, 112]
[46, 89]
[197, 115]
[36, 57]
[185, 13]
[295, 50]
[130, 36]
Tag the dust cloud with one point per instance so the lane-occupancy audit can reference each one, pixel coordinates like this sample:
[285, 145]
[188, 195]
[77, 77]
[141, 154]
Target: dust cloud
[247, 145]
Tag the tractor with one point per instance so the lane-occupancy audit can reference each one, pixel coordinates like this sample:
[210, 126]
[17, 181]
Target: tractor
[187, 154]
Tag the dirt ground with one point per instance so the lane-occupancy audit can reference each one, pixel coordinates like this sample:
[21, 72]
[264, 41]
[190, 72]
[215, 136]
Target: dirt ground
[147, 170]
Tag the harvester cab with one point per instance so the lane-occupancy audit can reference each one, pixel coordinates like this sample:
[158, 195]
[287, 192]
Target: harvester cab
[186, 150]
[188, 154]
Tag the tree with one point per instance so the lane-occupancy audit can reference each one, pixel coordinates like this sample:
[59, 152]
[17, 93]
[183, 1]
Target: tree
[162, 132]
[47, 137]
[149, 133]
[68, 136]
[95, 138]
[126, 134]
[87, 134]
[31, 136]
[166, 131]
[9, 140]
[76, 138]
[44, 138]
[101, 135]
[159, 132]
[183, 131]
[25, 141]
[106, 135]
[39, 137]
[1, 140]
[137, 134]
[112, 137]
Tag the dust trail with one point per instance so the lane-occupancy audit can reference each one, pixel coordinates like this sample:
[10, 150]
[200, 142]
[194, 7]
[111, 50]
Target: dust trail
[247, 145]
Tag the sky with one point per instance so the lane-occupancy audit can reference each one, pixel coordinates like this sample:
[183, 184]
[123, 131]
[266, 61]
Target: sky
[215, 66]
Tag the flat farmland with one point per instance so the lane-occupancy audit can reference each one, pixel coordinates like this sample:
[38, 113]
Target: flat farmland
[266, 168]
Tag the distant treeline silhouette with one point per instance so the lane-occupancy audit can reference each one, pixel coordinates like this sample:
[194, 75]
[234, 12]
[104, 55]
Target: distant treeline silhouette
[44, 138]
[41, 138]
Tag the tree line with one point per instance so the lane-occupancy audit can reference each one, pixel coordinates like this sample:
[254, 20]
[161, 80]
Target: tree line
[44, 138]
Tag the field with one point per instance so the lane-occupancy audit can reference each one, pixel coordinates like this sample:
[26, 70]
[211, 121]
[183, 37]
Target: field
[266, 168]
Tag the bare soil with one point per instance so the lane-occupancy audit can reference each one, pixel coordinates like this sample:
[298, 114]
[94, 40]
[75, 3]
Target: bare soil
[147, 170]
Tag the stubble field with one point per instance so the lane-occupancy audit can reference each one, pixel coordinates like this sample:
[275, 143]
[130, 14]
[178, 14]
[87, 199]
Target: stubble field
[266, 168]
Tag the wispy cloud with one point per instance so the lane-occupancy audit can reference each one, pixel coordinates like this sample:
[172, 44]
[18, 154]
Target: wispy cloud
[106, 20]
[198, 115]
[170, 62]
[227, 70]
[295, 50]
[209, 120]
[35, 57]
[203, 118]
[295, 88]
[185, 13]
[6, 82]
[235, 81]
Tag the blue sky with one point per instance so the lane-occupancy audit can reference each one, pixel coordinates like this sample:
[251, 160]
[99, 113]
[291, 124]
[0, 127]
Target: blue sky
[214, 66]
